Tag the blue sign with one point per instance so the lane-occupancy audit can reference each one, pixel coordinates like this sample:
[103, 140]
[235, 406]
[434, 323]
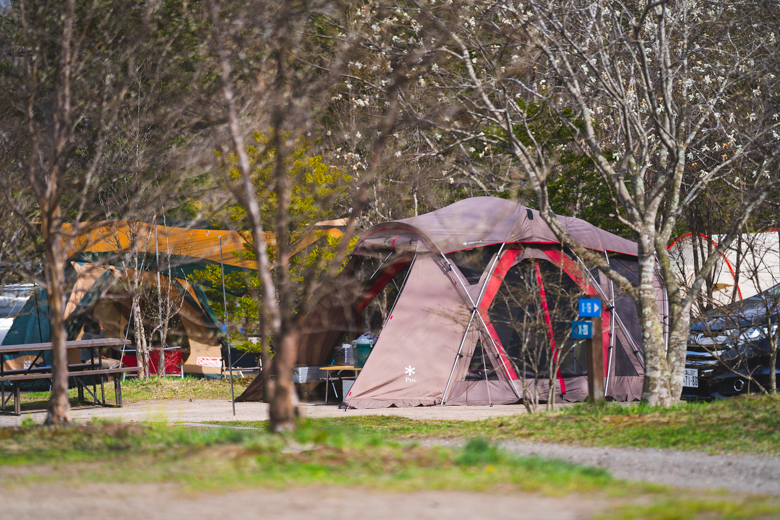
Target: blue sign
[590, 308]
[581, 329]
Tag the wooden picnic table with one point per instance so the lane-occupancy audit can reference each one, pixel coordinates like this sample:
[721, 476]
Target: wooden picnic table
[84, 343]
[77, 371]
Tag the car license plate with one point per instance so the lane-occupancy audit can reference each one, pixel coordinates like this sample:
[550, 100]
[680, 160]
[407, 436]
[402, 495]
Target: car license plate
[691, 378]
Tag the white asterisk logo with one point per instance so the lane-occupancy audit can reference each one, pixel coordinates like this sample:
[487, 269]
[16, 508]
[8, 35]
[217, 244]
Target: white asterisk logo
[409, 370]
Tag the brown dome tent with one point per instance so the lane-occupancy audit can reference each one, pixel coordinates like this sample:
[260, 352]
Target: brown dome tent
[477, 282]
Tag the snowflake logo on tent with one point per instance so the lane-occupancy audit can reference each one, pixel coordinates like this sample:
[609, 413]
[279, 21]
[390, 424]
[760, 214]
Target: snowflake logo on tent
[409, 370]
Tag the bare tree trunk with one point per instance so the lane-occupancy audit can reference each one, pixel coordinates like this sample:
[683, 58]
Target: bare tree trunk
[140, 339]
[773, 363]
[284, 402]
[657, 382]
[49, 201]
[265, 358]
[58, 408]
[773, 346]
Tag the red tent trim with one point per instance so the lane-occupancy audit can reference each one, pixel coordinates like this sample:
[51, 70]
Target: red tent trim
[548, 320]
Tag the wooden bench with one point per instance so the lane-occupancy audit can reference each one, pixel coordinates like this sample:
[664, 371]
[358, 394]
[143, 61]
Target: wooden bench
[71, 368]
[77, 371]
[77, 375]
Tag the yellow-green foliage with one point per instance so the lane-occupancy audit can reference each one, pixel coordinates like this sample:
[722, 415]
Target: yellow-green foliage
[316, 187]
[241, 306]
[318, 190]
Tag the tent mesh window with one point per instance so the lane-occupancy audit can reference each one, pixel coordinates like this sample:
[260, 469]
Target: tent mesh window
[520, 312]
[473, 262]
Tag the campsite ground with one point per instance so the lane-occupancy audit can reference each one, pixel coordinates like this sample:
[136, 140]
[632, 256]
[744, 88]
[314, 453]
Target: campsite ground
[171, 458]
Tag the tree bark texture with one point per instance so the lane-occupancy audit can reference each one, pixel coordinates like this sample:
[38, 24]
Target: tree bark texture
[284, 401]
[58, 408]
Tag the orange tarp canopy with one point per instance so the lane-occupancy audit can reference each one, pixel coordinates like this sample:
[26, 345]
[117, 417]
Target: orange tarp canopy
[204, 244]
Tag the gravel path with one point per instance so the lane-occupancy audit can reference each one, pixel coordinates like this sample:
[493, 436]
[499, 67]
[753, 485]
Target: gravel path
[203, 410]
[679, 469]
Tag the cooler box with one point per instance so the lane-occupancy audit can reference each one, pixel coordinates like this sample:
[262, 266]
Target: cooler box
[362, 351]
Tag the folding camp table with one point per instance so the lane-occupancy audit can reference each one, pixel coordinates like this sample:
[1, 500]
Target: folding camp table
[337, 377]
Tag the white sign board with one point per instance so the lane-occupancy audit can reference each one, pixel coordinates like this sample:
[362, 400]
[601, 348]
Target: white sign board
[214, 362]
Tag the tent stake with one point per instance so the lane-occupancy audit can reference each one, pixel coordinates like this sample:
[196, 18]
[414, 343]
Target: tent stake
[224, 301]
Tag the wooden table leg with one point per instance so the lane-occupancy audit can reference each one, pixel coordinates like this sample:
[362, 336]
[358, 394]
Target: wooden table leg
[118, 391]
[94, 384]
[17, 400]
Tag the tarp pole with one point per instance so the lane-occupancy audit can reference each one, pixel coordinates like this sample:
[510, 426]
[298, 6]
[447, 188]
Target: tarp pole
[666, 310]
[224, 301]
[380, 265]
[38, 312]
[159, 297]
[498, 355]
[400, 290]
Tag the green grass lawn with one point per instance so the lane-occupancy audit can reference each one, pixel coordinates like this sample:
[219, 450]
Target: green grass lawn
[333, 453]
[222, 458]
[745, 425]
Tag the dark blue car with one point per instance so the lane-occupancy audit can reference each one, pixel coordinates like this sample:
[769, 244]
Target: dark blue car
[729, 348]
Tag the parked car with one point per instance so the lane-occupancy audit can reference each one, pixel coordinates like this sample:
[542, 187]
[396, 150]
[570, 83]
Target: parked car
[728, 349]
[12, 299]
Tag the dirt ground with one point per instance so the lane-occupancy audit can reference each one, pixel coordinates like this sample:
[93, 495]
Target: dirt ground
[134, 501]
[204, 410]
